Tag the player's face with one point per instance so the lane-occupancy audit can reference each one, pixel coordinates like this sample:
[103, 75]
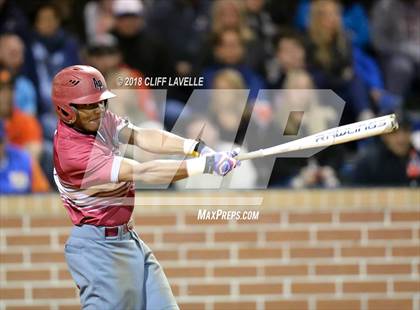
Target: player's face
[89, 116]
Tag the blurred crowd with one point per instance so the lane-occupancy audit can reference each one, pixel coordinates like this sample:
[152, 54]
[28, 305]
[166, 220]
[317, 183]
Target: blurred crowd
[366, 52]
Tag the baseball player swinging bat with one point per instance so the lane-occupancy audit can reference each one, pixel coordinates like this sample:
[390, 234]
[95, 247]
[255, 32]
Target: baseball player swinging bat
[342, 134]
[109, 262]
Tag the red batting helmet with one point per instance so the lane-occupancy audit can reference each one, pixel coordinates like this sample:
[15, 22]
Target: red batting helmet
[77, 85]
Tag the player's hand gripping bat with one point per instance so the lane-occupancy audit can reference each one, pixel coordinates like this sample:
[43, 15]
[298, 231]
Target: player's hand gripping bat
[342, 134]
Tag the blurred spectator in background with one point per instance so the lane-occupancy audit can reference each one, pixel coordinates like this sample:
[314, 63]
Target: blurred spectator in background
[132, 101]
[391, 161]
[330, 60]
[12, 56]
[50, 49]
[230, 15]
[321, 169]
[229, 51]
[290, 55]
[19, 174]
[396, 38]
[183, 25]
[299, 91]
[12, 19]
[366, 69]
[141, 50]
[98, 18]
[259, 21]
[226, 109]
[353, 14]
[21, 130]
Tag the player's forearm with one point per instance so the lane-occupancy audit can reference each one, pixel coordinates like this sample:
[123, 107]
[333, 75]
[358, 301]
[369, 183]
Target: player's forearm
[163, 142]
[161, 171]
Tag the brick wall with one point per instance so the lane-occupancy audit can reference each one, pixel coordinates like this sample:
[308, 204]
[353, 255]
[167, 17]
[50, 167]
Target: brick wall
[315, 250]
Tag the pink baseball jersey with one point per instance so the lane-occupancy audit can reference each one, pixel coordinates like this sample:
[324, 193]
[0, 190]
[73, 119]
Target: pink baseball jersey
[86, 173]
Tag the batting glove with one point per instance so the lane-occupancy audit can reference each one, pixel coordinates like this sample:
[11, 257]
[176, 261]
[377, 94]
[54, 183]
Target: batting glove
[221, 163]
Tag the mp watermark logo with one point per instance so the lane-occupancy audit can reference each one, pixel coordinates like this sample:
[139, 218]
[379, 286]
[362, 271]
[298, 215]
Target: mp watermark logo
[222, 117]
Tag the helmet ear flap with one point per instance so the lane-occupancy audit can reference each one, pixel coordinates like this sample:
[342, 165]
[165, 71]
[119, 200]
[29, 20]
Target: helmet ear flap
[67, 113]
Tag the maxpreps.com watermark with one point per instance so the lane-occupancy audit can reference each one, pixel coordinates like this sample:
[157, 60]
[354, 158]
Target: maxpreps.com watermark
[219, 214]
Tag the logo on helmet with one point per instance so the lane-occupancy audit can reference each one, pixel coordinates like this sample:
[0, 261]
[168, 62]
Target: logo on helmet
[97, 84]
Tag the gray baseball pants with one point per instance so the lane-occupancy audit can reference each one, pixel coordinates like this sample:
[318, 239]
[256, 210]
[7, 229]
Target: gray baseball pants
[116, 273]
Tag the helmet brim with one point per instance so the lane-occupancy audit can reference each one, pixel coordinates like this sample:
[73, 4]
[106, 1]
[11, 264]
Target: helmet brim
[93, 98]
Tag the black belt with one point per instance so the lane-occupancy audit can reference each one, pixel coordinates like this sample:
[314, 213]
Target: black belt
[113, 231]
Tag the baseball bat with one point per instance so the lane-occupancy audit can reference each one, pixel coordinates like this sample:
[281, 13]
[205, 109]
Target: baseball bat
[337, 135]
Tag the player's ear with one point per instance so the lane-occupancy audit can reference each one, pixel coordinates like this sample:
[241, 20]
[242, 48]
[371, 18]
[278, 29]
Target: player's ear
[75, 114]
[67, 113]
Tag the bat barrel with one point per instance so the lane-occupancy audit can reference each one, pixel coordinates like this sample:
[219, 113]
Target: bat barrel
[338, 135]
[251, 155]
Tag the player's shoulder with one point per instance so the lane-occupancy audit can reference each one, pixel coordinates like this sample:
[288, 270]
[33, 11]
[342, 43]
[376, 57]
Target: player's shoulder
[66, 137]
[110, 118]
[72, 148]
[112, 124]
[71, 156]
